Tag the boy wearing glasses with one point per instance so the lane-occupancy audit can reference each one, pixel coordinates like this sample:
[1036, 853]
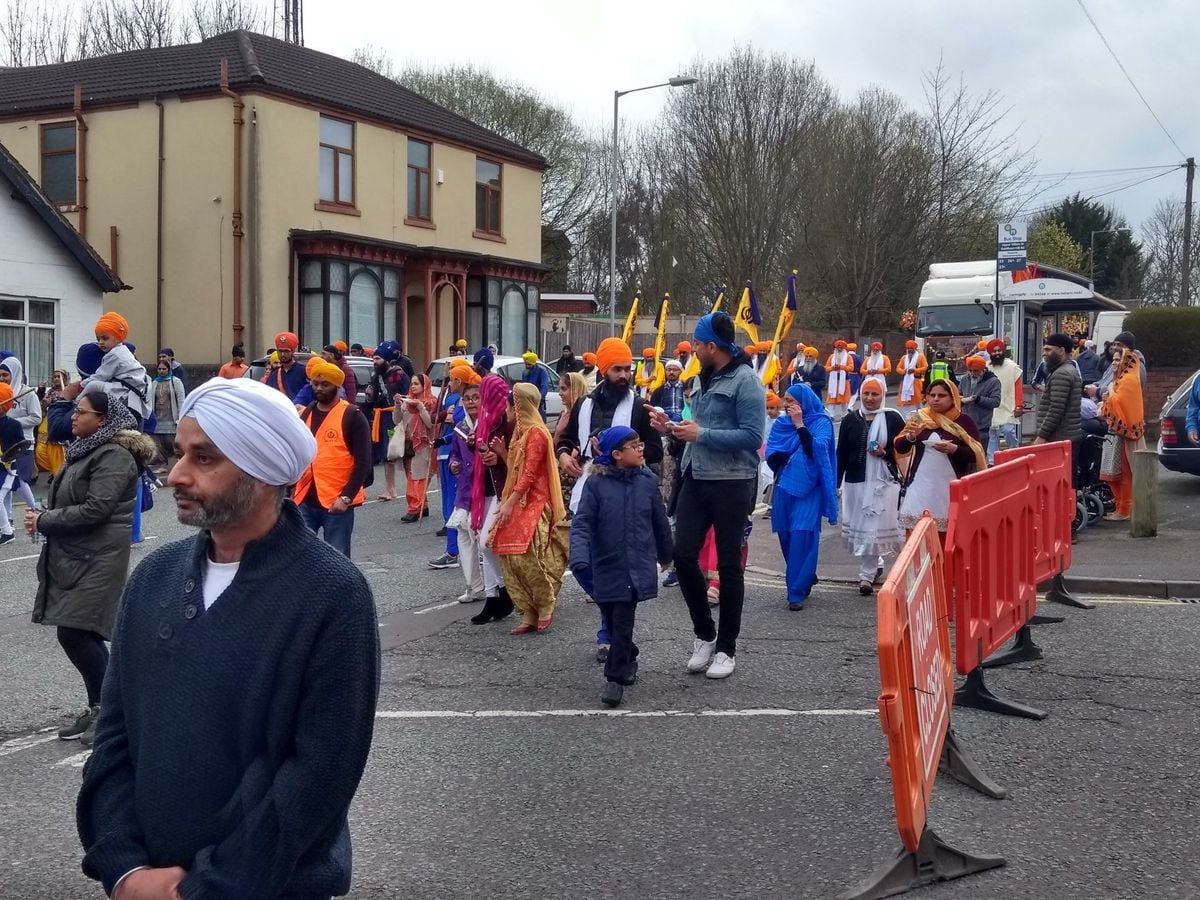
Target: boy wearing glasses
[611, 557]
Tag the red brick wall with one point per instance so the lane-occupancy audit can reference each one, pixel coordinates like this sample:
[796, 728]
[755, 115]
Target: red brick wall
[1160, 384]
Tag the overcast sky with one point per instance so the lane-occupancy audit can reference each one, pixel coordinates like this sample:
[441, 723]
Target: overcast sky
[1069, 100]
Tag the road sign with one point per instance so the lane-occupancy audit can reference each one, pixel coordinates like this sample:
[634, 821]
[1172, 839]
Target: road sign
[1012, 246]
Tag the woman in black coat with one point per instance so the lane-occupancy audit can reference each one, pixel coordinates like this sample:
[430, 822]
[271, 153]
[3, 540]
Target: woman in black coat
[87, 527]
[868, 483]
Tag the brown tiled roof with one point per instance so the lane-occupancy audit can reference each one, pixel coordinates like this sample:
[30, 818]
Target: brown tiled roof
[26, 190]
[255, 61]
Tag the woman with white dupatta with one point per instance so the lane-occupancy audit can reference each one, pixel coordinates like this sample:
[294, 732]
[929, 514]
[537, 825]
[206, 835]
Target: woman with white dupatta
[868, 483]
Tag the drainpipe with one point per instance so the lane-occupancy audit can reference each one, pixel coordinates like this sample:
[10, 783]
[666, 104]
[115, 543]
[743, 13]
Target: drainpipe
[81, 150]
[238, 121]
[255, 304]
[158, 234]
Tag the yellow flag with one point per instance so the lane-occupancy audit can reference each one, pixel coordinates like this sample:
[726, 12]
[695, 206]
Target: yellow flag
[720, 301]
[660, 339]
[747, 317]
[631, 321]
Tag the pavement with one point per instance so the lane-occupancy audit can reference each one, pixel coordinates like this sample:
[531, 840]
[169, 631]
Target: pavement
[495, 772]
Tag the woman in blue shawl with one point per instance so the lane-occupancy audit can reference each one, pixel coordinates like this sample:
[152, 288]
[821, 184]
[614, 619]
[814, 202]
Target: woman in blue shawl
[800, 452]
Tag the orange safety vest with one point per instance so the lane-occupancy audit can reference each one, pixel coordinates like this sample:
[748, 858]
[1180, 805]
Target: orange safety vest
[333, 464]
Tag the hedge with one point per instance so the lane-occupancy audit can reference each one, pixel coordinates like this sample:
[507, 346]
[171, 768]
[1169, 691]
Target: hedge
[1167, 335]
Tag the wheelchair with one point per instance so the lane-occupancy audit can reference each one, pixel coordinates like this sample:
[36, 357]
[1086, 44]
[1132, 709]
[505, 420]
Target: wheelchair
[1093, 498]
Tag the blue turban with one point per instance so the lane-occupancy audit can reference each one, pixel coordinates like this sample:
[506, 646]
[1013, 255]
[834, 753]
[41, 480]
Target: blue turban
[87, 360]
[5, 354]
[388, 350]
[610, 439]
[485, 356]
[706, 333]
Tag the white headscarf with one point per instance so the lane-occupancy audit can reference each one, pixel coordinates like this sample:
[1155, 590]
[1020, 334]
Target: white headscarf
[255, 426]
[878, 424]
[16, 371]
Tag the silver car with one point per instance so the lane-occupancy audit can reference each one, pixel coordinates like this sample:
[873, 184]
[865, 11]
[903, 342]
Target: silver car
[512, 370]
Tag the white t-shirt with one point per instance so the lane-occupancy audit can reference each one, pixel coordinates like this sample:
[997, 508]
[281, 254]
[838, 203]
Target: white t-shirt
[217, 577]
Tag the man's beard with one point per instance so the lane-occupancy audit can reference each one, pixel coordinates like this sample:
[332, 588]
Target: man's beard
[997, 360]
[620, 386]
[216, 512]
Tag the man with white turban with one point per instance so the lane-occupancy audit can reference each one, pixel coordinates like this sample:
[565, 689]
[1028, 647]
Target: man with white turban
[243, 679]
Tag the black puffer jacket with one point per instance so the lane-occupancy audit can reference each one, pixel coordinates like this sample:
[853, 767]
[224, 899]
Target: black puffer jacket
[1058, 413]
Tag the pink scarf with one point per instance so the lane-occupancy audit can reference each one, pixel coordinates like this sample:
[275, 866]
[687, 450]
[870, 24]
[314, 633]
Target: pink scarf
[493, 406]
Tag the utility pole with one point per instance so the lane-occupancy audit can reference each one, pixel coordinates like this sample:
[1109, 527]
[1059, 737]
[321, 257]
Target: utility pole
[1185, 283]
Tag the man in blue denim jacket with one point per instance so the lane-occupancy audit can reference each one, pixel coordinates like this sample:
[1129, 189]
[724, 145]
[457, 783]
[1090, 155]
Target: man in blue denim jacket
[719, 477]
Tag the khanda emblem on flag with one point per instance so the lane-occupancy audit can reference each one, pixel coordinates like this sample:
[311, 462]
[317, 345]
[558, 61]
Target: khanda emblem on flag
[747, 316]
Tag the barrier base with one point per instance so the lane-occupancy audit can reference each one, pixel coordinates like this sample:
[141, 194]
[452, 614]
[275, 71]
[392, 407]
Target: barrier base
[1039, 619]
[1058, 593]
[933, 861]
[1022, 650]
[974, 694]
[956, 763]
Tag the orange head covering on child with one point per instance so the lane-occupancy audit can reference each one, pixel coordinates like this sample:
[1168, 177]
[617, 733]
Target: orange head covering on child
[772, 400]
[6, 396]
[465, 373]
[114, 325]
[613, 352]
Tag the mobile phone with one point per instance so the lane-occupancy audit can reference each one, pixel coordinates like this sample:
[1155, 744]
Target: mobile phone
[873, 446]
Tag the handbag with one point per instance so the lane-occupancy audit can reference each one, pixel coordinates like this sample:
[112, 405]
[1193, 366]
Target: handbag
[397, 446]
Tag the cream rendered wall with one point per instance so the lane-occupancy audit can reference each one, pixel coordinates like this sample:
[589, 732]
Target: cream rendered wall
[288, 138]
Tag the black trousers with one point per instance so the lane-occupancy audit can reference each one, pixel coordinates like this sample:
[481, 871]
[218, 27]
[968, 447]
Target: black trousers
[89, 655]
[622, 651]
[724, 506]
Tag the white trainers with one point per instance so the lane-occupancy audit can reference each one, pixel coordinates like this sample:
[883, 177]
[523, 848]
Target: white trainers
[702, 654]
[722, 666]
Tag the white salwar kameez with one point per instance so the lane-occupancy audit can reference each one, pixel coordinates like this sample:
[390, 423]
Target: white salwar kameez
[870, 519]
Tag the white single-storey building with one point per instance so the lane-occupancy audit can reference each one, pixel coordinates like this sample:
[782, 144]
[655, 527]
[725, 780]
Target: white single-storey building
[52, 282]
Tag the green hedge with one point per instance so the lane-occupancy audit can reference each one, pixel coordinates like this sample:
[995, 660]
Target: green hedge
[1167, 335]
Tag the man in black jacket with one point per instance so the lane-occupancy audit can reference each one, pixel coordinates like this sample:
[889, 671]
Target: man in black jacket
[239, 703]
[613, 401]
[1058, 412]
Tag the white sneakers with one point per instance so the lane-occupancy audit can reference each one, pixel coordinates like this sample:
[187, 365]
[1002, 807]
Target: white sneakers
[702, 654]
[722, 666]
[703, 660]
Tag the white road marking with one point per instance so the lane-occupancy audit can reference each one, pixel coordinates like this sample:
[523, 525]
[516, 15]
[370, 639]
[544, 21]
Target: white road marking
[429, 609]
[19, 558]
[76, 761]
[624, 713]
[17, 744]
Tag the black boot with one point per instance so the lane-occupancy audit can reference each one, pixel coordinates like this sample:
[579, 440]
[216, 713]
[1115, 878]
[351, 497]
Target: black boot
[488, 612]
[504, 605]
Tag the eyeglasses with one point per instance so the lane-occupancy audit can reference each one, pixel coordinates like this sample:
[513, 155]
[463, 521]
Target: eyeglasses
[77, 411]
[632, 445]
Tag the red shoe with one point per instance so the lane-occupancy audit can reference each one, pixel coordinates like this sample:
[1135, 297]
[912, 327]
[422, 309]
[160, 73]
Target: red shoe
[543, 625]
[523, 628]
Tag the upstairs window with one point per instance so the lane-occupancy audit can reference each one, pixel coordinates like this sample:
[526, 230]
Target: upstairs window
[337, 161]
[59, 178]
[418, 180]
[487, 197]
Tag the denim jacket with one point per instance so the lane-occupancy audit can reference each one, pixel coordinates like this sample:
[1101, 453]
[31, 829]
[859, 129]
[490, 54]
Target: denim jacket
[731, 410]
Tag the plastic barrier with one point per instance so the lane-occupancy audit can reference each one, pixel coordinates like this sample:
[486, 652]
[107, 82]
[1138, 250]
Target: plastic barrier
[990, 572]
[1053, 470]
[914, 712]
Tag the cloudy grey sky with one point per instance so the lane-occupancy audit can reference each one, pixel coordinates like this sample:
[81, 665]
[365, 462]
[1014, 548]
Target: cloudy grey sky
[1069, 100]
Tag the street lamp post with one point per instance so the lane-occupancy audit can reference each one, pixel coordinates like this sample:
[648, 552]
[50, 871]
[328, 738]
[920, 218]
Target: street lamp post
[1092, 255]
[677, 81]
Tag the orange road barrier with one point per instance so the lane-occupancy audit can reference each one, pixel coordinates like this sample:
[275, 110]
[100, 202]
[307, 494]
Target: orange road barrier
[990, 573]
[913, 635]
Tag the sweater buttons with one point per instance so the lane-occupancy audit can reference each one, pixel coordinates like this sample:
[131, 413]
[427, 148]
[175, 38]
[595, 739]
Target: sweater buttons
[188, 586]
[164, 631]
[189, 612]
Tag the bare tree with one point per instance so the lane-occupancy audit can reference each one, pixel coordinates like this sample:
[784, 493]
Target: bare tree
[207, 18]
[117, 26]
[1162, 239]
[39, 33]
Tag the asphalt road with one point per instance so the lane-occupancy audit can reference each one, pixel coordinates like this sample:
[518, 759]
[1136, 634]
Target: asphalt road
[493, 772]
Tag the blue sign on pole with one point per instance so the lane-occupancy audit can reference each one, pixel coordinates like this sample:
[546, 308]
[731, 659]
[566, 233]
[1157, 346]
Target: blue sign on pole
[1011, 246]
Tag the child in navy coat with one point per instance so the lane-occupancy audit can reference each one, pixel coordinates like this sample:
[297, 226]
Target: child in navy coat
[610, 555]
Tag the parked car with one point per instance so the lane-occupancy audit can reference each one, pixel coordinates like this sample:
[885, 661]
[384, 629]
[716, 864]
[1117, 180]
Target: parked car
[361, 366]
[512, 369]
[1175, 451]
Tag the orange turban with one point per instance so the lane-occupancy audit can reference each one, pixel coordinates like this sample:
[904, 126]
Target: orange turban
[285, 340]
[683, 347]
[764, 346]
[982, 345]
[589, 359]
[465, 373]
[839, 345]
[910, 345]
[114, 325]
[327, 371]
[772, 400]
[310, 365]
[995, 346]
[852, 346]
[342, 345]
[613, 352]
[6, 395]
[648, 353]
[975, 362]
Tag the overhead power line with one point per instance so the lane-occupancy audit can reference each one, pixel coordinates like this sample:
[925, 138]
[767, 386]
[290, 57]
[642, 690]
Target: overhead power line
[1032, 211]
[1128, 77]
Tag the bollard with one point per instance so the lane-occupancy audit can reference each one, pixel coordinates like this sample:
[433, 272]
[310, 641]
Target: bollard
[1143, 522]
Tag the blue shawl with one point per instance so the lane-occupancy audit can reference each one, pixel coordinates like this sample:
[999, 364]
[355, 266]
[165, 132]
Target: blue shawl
[797, 476]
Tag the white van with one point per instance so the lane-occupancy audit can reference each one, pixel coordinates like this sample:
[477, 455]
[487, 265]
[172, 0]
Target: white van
[1108, 326]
